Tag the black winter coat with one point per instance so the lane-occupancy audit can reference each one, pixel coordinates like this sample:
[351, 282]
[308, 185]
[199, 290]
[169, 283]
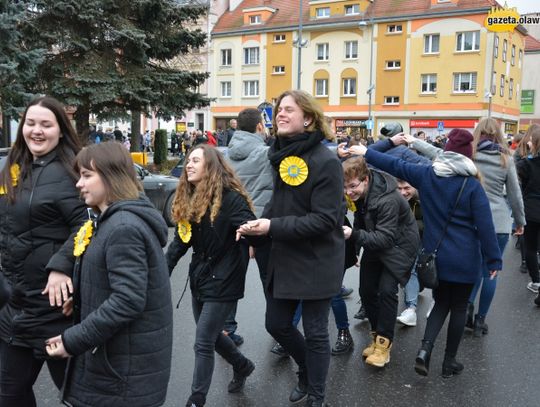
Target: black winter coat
[529, 176]
[123, 341]
[45, 217]
[385, 226]
[217, 271]
[308, 246]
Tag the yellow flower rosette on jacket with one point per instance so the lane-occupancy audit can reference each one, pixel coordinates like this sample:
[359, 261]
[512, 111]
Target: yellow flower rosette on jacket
[15, 171]
[82, 238]
[350, 204]
[293, 170]
[184, 231]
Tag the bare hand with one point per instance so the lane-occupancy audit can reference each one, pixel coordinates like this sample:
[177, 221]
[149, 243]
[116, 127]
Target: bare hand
[251, 252]
[398, 139]
[67, 307]
[258, 227]
[342, 150]
[409, 139]
[358, 150]
[347, 232]
[55, 347]
[493, 274]
[518, 231]
[59, 287]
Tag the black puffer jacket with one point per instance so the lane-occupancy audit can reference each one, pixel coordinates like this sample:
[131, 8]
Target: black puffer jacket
[529, 177]
[217, 271]
[123, 342]
[46, 214]
[385, 226]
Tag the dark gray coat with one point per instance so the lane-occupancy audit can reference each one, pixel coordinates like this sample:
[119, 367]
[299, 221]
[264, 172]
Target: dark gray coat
[123, 343]
[388, 228]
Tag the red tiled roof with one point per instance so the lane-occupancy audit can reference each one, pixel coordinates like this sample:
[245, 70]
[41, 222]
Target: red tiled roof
[397, 8]
[531, 43]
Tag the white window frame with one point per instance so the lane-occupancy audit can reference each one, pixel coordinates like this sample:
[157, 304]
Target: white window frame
[250, 88]
[279, 38]
[322, 12]
[352, 7]
[255, 19]
[501, 85]
[224, 88]
[325, 47]
[350, 47]
[520, 58]
[496, 47]
[391, 100]
[461, 77]
[251, 59]
[511, 88]
[461, 38]
[428, 43]
[226, 56]
[394, 29]
[431, 79]
[494, 84]
[513, 55]
[278, 70]
[349, 87]
[324, 82]
[505, 50]
[393, 65]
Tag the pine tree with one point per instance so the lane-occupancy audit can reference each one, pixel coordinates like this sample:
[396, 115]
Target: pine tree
[109, 57]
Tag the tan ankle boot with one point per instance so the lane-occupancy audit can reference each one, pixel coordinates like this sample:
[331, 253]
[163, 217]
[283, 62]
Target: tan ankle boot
[371, 347]
[381, 355]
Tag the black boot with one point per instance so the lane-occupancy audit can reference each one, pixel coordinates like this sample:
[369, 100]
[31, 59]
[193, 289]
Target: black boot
[422, 358]
[311, 402]
[195, 400]
[470, 316]
[451, 366]
[361, 314]
[299, 393]
[344, 342]
[480, 326]
[537, 300]
[240, 376]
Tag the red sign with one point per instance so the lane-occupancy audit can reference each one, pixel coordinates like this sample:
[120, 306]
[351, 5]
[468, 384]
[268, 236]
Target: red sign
[453, 124]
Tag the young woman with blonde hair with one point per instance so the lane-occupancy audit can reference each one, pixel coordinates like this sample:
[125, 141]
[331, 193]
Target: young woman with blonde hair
[210, 204]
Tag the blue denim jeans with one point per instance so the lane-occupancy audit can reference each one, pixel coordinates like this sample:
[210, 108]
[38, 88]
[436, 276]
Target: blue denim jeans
[411, 290]
[339, 308]
[488, 285]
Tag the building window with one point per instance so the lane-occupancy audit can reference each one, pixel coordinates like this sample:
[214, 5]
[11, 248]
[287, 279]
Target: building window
[501, 92]
[251, 56]
[468, 41]
[255, 19]
[226, 57]
[226, 89]
[510, 88]
[352, 9]
[496, 47]
[391, 100]
[513, 55]
[321, 87]
[429, 83]
[494, 83]
[251, 88]
[278, 69]
[349, 87]
[520, 58]
[431, 43]
[505, 50]
[322, 12]
[465, 82]
[351, 49]
[394, 28]
[322, 52]
[279, 38]
[393, 64]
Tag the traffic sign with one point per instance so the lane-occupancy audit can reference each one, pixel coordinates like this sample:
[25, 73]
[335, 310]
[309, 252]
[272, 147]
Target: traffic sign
[440, 126]
[267, 116]
[369, 124]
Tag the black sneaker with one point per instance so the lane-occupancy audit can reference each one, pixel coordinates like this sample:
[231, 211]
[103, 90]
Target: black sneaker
[537, 300]
[279, 350]
[299, 393]
[239, 378]
[237, 339]
[361, 314]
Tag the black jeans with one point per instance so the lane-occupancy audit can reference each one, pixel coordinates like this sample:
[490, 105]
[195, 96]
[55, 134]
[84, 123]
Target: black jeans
[19, 370]
[312, 353]
[379, 293]
[449, 298]
[532, 237]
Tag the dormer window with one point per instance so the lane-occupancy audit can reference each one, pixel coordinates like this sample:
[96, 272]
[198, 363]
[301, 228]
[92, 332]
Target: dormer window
[322, 12]
[255, 19]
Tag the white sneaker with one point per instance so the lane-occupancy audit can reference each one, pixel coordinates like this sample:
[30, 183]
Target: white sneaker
[533, 287]
[408, 317]
[431, 305]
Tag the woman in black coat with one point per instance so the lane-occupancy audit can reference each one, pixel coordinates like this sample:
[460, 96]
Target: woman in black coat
[40, 211]
[305, 220]
[122, 340]
[210, 204]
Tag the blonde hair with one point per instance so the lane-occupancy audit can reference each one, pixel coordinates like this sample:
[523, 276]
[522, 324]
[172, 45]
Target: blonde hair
[191, 202]
[489, 129]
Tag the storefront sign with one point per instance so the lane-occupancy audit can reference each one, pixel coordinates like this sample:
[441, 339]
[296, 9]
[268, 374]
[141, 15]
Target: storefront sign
[527, 101]
[180, 127]
[453, 124]
[350, 123]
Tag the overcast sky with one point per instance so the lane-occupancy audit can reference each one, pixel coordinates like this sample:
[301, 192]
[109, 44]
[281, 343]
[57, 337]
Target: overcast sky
[523, 6]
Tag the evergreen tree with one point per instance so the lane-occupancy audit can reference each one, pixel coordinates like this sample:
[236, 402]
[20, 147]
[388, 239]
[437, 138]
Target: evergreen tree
[109, 57]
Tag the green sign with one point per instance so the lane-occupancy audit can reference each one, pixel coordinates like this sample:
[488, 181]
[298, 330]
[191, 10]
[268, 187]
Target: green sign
[527, 101]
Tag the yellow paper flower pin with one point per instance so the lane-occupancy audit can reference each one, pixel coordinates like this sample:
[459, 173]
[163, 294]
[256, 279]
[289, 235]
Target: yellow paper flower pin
[82, 238]
[350, 204]
[293, 170]
[184, 230]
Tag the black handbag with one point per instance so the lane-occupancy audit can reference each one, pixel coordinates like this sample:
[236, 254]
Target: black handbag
[426, 263]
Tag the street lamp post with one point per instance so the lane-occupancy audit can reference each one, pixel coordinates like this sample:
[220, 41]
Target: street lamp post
[371, 87]
[300, 43]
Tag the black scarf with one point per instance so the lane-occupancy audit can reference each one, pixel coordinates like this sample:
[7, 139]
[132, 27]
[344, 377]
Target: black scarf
[296, 145]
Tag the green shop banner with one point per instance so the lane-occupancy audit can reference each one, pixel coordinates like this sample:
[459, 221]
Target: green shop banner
[527, 101]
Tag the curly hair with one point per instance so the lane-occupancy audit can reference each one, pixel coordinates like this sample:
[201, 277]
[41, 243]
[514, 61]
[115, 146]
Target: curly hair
[191, 202]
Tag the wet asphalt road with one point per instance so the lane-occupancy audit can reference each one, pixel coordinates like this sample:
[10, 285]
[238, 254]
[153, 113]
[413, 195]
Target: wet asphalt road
[501, 369]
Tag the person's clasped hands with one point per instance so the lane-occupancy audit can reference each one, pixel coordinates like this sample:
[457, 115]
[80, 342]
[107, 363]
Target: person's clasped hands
[257, 227]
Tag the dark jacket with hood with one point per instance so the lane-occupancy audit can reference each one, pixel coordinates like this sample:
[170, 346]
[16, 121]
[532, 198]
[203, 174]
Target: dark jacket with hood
[217, 271]
[529, 176]
[385, 227]
[308, 245]
[123, 341]
[44, 218]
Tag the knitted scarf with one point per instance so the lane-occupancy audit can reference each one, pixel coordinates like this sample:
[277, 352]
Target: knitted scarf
[449, 164]
[296, 145]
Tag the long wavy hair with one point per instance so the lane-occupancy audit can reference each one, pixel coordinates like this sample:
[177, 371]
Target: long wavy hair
[68, 146]
[310, 107]
[489, 129]
[533, 135]
[191, 202]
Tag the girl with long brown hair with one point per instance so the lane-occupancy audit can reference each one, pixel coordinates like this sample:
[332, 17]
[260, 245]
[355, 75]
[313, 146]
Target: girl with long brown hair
[210, 204]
